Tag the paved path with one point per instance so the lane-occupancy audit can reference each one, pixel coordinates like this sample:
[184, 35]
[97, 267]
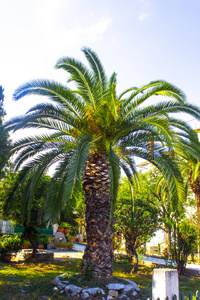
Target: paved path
[80, 248]
[161, 261]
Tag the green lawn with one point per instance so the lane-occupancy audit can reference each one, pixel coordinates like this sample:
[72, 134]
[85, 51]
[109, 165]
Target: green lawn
[32, 281]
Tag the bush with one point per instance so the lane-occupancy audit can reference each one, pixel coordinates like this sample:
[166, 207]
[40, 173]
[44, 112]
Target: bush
[67, 245]
[43, 240]
[185, 243]
[9, 244]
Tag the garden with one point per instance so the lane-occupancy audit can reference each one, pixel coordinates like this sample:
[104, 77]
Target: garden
[96, 193]
[34, 281]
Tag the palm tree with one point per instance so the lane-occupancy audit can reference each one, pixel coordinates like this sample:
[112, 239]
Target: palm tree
[188, 151]
[92, 134]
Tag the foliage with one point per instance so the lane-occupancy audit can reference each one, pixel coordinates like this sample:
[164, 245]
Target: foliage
[9, 244]
[117, 242]
[43, 240]
[188, 153]
[185, 242]
[80, 207]
[20, 212]
[50, 238]
[4, 137]
[137, 217]
[68, 245]
[92, 117]
[26, 242]
[68, 220]
[169, 215]
[6, 185]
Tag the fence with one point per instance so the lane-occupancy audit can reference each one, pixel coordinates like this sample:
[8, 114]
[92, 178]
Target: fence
[190, 296]
[182, 297]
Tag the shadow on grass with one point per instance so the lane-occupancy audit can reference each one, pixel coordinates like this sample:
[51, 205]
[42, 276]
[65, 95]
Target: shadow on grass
[32, 281]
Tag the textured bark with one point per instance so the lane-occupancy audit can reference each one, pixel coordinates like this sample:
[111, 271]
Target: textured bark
[30, 237]
[131, 252]
[98, 255]
[195, 186]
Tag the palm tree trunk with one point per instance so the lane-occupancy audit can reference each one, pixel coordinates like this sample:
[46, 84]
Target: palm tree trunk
[98, 255]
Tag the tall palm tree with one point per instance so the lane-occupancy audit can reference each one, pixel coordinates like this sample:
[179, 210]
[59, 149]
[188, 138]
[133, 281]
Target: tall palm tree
[92, 134]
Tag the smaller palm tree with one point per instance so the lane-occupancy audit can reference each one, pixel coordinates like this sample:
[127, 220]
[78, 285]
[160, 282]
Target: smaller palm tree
[188, 151]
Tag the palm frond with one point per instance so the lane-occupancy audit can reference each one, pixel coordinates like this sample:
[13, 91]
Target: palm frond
[69, 176]
[161, 87]
[127, 164]
[55, 91]
[169, 169]
[97, 68]
[112, 101]
[81, 75]
[127, 91]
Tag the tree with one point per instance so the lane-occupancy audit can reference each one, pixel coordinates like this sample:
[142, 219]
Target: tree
[185, 242]
[137, 219]
[18, 212]
[169, 214]
[92, 132]
[188, 155]
[4, 137]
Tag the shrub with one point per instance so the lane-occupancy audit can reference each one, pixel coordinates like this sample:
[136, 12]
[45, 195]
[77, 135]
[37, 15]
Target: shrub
[9, 244]
[67, 245]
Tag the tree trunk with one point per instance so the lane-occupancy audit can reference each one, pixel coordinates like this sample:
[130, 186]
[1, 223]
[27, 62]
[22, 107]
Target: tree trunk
[29, 234]
[135, 264]
[195, 186]
[169, 236]
[181, 267]
[132, 253]
[98, 255]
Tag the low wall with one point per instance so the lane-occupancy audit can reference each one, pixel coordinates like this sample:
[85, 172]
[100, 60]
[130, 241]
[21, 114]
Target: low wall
[41, 255]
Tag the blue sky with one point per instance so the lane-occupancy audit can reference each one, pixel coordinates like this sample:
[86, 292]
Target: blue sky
[141, 40]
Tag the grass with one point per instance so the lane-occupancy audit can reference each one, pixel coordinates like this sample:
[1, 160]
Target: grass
[33, 281]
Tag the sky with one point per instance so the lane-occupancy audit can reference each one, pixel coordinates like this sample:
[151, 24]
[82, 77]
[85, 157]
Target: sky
[141, 40]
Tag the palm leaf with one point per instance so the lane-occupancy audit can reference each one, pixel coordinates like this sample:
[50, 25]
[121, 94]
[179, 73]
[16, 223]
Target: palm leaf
[97, 68]
[73, 172]
[80, 74]
[54, 90]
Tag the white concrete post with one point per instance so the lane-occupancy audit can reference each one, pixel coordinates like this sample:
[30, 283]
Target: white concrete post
[165, 283]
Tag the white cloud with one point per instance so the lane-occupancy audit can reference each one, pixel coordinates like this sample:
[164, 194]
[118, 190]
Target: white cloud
[37, 58]
[94, 31]
[142, 16]
[77, 37]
